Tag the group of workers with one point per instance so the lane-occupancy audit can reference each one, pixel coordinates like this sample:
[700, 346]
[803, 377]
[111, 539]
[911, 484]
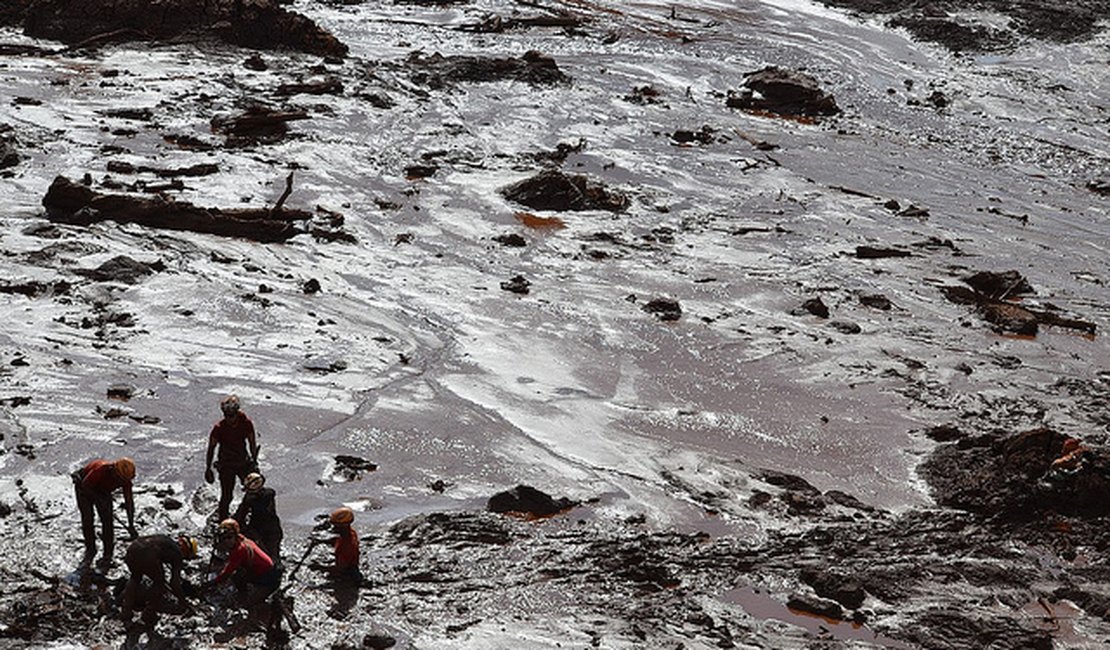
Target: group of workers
[250, 539]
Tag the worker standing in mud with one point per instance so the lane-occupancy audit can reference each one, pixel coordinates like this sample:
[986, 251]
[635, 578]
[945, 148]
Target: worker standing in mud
[94, 484]
[238, 451]
[147, 558]
[257, 515]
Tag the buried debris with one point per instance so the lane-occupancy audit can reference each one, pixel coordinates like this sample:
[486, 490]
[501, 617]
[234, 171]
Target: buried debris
[351, 468]
[258, 124]
[73, 203]
[527, 500]
[438, 71]
[988, 296]
[122, 269]
[517, 284]
[783, 92]
[260, 24]
[554, 190]
[665, 309]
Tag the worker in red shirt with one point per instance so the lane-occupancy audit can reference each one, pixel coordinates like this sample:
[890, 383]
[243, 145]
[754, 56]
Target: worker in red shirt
[346, 544]
[238, 451]
[258, 570]
[94, 484]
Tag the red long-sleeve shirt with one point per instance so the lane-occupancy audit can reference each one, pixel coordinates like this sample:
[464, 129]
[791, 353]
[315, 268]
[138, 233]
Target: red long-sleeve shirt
[100, 476]
[233, 435]
[246, 554]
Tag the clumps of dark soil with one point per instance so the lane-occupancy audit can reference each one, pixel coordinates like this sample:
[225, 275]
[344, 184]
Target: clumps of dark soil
[644, 95]
[122, 269]
[1009, 477]
[1099, 186]
[437, 71]
[74, 203]
[554, 190]
[36, 289]
[813, 306]
[704, 135]
[496, 24]
[835, 585]
[510, 240]
[261, 24]
[665, 309]
[527, 500]
[517, 284]
[257, 124]
[783, 92]
[351, 468]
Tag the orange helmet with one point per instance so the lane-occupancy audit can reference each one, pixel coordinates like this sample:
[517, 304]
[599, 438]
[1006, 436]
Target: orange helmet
[125, 467]
[342, 515]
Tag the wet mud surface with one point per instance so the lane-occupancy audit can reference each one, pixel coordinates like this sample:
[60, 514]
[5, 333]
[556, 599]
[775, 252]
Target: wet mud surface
[721, 325]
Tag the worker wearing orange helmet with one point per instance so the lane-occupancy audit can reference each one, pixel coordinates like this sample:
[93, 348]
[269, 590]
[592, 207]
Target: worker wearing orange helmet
[94, 484]
[238, 451]
[346, 544]
[244, 554]
[147, 558]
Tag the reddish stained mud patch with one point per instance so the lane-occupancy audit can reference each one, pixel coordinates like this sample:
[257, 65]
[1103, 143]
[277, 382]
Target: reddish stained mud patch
[800, 119]
[540, 223]
[763, 606]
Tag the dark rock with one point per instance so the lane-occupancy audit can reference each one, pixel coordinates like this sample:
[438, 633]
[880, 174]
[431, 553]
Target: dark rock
[844, 589]
[413, 172]
[666, 309]
[73, 203]
[311, 286]
[787, 481]
[554, 190]
[438, 71]
[878, 252]
[8, 155]
[1098, 185]
[876, 300]
[122, 392]
[528, 500]
[351, 468]
[259, 24]
[517, 284]
[170, 503]
[511, 240]
[944, 433]
[121, 269]
[784, 92]
[256, 63]
[845, 327]
[705, 135]
[814, 306]
[999, 285]
[847, 501]
[816, 606]
[378, 641]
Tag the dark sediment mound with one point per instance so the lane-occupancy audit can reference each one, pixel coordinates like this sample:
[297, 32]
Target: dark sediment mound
[784, 92]
[73, 203]
[664, 308]
[528, 500]
[351, 468]
[931, 20]
[554, 190]
[259, 24]
[1011, 478]
[257, 124]
[438, 71]
[122, 269]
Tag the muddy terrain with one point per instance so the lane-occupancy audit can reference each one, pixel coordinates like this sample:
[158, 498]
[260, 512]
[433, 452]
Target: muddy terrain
[738, 324]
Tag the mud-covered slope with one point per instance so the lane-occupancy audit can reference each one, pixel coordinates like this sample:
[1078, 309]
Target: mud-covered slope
[799, 306]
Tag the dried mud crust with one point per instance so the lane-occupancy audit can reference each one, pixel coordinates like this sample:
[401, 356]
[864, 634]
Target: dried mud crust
[936, 21]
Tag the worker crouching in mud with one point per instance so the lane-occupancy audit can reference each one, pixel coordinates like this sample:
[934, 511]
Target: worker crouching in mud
[257, 515]
[145, 591]
[345, 574]
[94, 484]
[255, 571]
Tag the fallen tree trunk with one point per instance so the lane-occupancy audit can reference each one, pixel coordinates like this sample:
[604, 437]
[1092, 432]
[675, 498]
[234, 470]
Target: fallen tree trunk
[73, 203]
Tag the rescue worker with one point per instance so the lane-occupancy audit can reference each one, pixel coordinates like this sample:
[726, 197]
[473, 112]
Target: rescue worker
[261, 575]
[257, 515]
[346, 545]
[1071, 457]
[147, 558]
[94, 484]
[238, 451]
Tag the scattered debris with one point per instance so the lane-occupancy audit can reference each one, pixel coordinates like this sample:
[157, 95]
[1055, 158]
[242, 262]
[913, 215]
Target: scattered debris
[351, 468]
[437, 71]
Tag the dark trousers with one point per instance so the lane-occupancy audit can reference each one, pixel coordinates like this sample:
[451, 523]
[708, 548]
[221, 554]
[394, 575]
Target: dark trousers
[87, 503]
[229, 476]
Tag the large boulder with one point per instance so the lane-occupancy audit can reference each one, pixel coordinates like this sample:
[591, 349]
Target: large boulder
[783, 92]
[554, 190]
[258, 24]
